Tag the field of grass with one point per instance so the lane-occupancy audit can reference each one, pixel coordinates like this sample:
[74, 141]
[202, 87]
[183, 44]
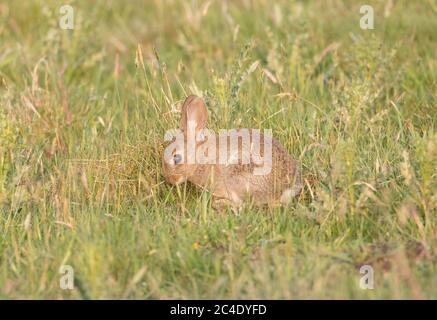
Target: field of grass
[82, 119]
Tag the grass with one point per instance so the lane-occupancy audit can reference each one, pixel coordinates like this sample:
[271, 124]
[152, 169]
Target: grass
[83, 114]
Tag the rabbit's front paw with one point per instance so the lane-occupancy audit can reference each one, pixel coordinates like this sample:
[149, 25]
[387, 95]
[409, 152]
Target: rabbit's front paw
[221, 204]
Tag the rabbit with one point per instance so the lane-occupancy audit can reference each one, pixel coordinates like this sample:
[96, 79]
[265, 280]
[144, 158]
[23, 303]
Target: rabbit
[231, 183]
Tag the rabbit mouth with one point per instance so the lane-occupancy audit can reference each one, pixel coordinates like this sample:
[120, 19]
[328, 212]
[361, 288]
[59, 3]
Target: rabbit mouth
[175, 179]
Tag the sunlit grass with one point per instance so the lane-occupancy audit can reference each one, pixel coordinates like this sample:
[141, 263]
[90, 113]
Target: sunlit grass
[82, 118]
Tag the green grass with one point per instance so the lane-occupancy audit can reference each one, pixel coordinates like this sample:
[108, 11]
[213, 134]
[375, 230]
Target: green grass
[82, 118]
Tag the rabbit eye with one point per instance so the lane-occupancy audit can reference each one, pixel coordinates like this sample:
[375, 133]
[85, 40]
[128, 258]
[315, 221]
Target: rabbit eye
[177, 158]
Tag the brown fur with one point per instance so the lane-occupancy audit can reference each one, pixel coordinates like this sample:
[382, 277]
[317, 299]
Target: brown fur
[235, 184]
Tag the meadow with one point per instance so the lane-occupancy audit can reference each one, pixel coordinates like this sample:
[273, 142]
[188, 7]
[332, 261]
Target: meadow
[82, 119]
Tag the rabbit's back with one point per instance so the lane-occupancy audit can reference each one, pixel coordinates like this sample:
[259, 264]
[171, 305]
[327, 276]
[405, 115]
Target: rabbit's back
[239, 183]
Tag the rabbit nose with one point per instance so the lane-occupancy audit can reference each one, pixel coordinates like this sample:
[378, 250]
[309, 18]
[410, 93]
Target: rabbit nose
[177, 158]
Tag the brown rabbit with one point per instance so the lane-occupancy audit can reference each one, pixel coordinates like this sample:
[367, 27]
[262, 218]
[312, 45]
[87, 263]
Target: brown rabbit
[233, 181]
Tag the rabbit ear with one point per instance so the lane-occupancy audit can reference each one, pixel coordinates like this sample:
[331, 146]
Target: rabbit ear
[194, 109]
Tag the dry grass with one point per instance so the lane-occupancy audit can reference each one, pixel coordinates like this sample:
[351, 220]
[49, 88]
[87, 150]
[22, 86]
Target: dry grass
[82, 118]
